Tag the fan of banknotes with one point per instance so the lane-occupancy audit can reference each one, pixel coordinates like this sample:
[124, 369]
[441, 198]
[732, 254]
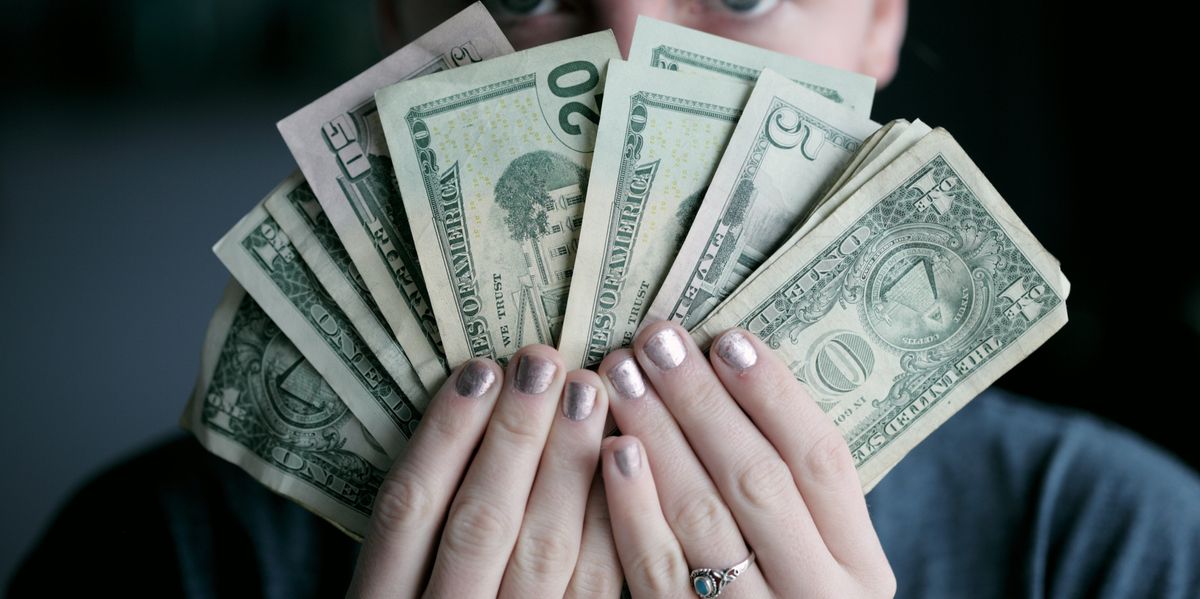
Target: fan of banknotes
[458, 199]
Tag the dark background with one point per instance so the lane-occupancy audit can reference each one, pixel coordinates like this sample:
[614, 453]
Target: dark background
[135, 132]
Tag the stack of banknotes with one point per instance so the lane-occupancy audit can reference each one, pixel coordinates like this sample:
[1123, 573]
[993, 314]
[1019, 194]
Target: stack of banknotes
[458, 199]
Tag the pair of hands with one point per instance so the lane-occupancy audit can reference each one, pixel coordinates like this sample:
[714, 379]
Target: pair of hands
[497, 495]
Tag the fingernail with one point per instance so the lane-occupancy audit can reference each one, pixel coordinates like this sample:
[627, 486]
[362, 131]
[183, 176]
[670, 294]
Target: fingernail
[629, 459]
[666, 349]
[737, 351]
[534, 374]
[627, 379]
[475, 379]
[578, 401]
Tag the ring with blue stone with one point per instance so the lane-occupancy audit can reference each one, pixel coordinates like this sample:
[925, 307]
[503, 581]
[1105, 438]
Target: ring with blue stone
[709, 583]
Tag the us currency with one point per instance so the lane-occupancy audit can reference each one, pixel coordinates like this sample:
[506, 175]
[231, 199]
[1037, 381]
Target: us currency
[659, 143]
[339, 145]
[899, 139]
[913, 296]
[669, 46]
[493, 161]
[788, 146]
[299, 215]
[263, 260]
[260, 405]
[898, 135]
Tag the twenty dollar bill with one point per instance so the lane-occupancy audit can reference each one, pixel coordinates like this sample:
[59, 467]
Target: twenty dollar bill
[659, 143]
[492, 161]
[664, 45]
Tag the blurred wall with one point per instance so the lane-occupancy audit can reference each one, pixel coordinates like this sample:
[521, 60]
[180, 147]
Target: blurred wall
[137, 132]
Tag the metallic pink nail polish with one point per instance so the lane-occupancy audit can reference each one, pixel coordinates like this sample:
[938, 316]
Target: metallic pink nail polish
[737, 351]
[475, 379]
[578, 401]
[627, 379]
[665, 349]
[534, 374]
[628, 459]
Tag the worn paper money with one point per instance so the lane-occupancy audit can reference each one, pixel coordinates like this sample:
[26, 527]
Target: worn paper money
[492, 161]
[659, 143]
[788, 146]
[339, 145]
[912, 297]
[260, 405]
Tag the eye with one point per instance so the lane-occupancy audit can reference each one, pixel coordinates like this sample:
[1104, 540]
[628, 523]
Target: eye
[746, 8]
[522, 8]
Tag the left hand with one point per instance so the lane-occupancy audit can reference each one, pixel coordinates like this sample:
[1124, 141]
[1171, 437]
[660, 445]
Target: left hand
[726, 455]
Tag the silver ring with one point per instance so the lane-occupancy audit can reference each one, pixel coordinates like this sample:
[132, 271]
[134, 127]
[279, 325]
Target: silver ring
[709, 583]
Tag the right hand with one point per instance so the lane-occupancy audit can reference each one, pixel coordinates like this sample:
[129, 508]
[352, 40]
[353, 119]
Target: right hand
[491, 497]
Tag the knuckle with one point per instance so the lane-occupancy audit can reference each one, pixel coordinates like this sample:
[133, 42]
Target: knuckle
[402, 505]
[444, 424]
[594, 580]
[701, 399]
[516, 427]
[698, 517]
[476, 528]
[828, 459]
[763, 482]
[657, 572]
[542, 554]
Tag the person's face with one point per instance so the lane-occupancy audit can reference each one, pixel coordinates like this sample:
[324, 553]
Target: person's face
[855, 35]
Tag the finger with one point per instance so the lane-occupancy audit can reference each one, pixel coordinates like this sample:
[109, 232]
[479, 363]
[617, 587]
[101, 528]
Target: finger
[486, 514]
[651, 558]
[751, 476]
[411, 503]
[598, 573]
[809, 442]
[693, 506]
[544, 557]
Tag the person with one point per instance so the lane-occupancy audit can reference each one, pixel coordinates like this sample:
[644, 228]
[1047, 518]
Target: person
[723, 459]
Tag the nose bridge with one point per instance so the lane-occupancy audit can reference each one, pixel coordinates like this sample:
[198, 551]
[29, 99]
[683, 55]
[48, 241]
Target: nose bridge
[621, 16]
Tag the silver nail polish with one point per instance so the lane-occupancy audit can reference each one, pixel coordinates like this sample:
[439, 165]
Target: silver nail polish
[578, 401]
[666, 349]
[534, 374]
[737, 351]
[475, 379]
[627, 379]
[629, 459]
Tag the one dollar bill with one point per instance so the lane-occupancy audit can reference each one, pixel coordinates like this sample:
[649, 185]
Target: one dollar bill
[492, 161]
[263, 260]
[912, 297]
[299, 214]
[339, 145]
[260, 405]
